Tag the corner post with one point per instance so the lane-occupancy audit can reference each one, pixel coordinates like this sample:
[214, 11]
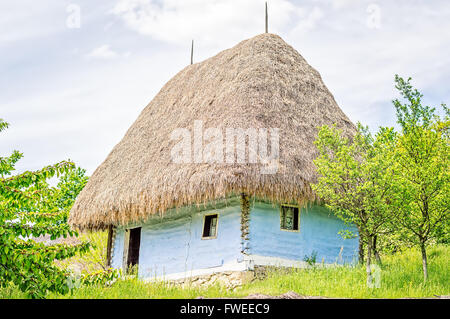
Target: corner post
[245, 218]
[109, 246]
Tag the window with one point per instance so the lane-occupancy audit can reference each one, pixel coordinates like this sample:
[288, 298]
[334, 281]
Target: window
[289, 218]
[210, 226]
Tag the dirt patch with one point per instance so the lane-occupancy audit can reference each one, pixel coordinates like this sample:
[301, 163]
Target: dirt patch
[294, 295]
[287, 295]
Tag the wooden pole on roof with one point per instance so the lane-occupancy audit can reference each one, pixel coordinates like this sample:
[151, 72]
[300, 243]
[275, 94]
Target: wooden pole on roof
[267, 20]
[192, 52]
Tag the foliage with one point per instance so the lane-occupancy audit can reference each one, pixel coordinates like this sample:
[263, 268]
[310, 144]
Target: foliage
[353, 180]
[420, 181]
[69, 186]
[394, 186]
[311, 260]
[30, 208]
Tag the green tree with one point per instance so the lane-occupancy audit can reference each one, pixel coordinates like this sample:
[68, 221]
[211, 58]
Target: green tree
[421, 170]
[69, 186]
[353, 181]
[30, 208]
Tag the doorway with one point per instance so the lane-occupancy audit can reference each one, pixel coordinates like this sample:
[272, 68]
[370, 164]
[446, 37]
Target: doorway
[134, 244]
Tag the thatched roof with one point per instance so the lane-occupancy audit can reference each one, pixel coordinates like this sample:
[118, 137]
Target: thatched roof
[261, 83]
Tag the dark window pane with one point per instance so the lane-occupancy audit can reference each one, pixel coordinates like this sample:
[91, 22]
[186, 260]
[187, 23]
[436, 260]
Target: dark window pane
[210, 226]
[289, 218]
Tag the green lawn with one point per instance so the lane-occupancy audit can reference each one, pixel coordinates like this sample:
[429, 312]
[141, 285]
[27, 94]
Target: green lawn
[401, 276]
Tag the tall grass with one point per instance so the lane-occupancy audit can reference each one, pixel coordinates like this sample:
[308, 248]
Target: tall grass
[401, 276]
[133, 288]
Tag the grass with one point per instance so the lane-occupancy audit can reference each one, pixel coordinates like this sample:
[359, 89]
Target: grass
[401, 277]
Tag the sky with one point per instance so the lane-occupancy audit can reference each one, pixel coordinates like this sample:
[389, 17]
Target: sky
[74, 75]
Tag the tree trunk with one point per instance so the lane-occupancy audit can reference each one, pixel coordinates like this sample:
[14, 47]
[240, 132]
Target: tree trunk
[368, 262]
[375, 250]
[361, 250]
[424, 261]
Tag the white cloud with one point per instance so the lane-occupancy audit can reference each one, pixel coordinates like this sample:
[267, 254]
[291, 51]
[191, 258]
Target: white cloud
[340, 4]
[308, 22]
[102, 52]
[17, 21]
[83, 114]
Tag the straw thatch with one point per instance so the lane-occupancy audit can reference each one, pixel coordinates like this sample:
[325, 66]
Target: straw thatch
[262, 83]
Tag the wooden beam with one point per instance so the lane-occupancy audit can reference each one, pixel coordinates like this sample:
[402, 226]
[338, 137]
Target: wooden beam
[109, 246]
[245, 218]
[126, 246]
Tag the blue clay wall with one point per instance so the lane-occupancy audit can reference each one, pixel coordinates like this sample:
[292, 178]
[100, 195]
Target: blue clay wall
[117, 251]
[318, 232]
[175, 245]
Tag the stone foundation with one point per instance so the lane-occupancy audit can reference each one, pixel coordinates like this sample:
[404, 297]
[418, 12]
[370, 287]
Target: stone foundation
[228, 279]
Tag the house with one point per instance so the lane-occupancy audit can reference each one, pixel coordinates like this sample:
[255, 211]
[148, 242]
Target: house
[214, 175]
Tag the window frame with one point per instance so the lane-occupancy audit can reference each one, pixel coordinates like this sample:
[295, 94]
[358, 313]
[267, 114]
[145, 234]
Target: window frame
[204, 223]
[298, 217]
